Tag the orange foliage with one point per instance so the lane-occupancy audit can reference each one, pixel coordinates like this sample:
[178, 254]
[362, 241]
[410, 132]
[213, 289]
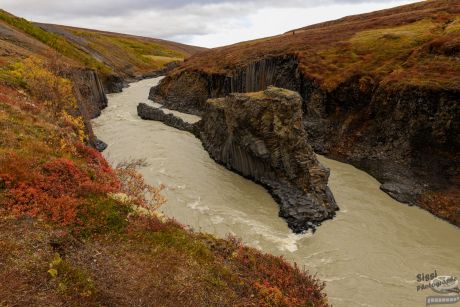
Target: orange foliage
[277, 282]
[444, 204]
[54, 190]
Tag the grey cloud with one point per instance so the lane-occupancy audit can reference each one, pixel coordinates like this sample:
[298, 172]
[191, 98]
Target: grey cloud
[178, 20]
[123, 7]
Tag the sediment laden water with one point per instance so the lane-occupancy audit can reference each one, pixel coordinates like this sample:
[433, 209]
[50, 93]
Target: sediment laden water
[369, 255]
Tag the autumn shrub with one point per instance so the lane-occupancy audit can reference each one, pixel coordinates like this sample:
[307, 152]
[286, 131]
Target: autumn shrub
[271, 295]
[55, 91]
[57, 189]
[276, 282]
[134, 186]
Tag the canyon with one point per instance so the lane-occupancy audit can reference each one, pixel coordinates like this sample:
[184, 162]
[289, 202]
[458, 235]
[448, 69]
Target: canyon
[369, 254]
[398, 123]
[238, 138]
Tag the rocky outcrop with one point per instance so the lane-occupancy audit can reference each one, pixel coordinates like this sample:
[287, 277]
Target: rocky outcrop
[406, 136]
[89, 91]
[152, 113]
[261, 136]
[91, 100]
[114, 84]
[188, 91]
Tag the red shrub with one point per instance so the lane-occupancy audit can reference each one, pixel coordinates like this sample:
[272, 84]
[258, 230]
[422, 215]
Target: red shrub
[56, 189]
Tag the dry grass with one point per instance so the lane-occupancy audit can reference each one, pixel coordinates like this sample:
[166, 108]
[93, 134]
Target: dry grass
[123, 51]
[378, 44]
[108, 53]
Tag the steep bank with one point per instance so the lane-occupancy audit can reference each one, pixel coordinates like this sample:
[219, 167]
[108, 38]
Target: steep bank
[73, 232]
[96, 62]
[385, 110]
[117, 58]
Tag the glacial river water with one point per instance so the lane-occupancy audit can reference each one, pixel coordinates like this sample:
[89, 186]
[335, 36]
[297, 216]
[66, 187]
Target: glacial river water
[369, 255]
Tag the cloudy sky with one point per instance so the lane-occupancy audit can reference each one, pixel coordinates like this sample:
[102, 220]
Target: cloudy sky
[208, 23]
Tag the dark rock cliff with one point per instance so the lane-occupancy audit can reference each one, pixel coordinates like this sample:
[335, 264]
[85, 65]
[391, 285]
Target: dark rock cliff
[405, 136]
[261, 136]
[152, 113]
[91, 99]
[89, 91]
[189, 91]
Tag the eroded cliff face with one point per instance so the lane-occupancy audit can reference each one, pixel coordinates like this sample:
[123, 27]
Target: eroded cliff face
[405, 136]
[91, 99]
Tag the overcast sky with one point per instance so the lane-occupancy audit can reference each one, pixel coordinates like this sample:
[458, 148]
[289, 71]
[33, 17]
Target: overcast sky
[207, 23]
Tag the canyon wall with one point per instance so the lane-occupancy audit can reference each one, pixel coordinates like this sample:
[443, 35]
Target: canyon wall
[91, 99]
[406, 136]
[188, 91]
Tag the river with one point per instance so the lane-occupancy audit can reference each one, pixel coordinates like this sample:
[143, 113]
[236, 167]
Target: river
[369, 255]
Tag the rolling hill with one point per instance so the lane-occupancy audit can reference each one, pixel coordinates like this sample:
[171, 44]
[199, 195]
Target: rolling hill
[116, 57]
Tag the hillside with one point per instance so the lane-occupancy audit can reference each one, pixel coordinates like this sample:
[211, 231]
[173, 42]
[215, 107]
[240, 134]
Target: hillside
[126, 55]
[116, 57]
[417, 44]
[76, 231]
[380, 90]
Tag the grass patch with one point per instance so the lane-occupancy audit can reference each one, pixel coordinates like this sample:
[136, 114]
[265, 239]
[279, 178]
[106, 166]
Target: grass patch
[102, 215]
[454, 26]
[71, 281]
[142, 54]
[54, 41]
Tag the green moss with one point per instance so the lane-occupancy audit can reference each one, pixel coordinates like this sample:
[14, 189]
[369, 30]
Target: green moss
[174, 237]
[102, 215]
[71, 280]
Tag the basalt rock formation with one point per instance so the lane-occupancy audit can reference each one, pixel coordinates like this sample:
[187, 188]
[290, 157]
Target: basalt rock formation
[152, 113]
[188, 91]
[380, 91]
[261, 136]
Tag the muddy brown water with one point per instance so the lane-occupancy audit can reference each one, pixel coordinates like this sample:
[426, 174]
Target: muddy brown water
[369, 255]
